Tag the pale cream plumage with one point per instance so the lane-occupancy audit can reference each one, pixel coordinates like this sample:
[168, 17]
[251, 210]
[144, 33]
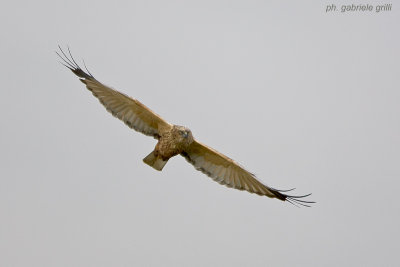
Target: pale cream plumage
[224, 170]
[133, 113]
[219, 167]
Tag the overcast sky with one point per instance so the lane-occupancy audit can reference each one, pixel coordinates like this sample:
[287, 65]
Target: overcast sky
[300, 97]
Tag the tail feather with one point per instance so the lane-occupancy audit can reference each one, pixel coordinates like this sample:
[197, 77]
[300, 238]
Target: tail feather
[154, 161]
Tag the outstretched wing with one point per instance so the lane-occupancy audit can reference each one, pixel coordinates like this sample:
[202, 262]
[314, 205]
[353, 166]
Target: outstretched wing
[227, 172]
[133, 113]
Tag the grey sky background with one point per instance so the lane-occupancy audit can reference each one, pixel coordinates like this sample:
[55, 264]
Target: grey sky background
[300, 97]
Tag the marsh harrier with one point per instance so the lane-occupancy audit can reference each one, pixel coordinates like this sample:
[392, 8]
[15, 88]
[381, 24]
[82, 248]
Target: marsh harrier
[174, 140]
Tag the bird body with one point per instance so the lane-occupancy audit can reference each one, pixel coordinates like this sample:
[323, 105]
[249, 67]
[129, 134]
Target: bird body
[171, 143]
[175, 140]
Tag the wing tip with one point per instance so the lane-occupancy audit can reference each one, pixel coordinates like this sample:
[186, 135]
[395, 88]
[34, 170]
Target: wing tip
[69, 62]
[294, 200]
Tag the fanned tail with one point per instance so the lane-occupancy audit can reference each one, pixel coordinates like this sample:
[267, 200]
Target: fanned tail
[155, 161]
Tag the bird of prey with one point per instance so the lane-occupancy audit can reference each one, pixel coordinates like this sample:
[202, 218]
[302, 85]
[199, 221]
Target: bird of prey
[174, 140]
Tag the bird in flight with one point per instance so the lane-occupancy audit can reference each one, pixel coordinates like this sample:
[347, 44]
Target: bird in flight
[175, 140]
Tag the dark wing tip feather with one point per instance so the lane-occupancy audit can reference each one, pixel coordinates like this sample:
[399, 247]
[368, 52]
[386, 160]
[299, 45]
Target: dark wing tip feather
[69, 62]
[294, 200]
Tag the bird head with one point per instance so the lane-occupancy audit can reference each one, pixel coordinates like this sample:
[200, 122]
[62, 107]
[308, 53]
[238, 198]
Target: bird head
[183, 134]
